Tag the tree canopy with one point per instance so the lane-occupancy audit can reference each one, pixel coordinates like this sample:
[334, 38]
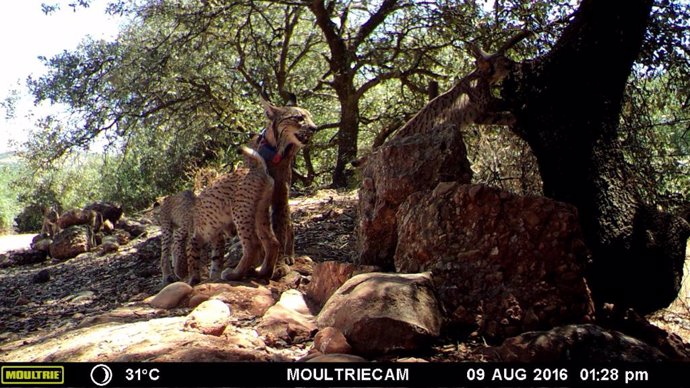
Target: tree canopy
[178, 89]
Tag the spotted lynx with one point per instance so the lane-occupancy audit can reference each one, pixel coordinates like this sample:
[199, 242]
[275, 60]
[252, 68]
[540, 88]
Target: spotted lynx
[470, 100]
[426, 150]
[289, 128]
[176, 222]
[236, 203]
[50, 218]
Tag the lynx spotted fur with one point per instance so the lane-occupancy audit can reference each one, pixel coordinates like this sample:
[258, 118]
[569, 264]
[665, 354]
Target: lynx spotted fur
[236, 203]
[176, 222]
[289, 128]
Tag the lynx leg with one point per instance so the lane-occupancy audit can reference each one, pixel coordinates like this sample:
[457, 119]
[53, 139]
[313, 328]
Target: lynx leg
[179, 261]
[194, 247]
[268, 240]
[282, 226]
[166, 262]
[289, 254]
[217, 253]
[250, 246]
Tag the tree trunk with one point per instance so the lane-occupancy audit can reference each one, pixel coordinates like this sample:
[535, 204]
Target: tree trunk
[567, 105]
[347, 132]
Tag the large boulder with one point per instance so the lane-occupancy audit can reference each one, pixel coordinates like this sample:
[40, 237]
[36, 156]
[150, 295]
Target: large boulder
[110, 211]
[328, 276]
[71, 242]
[80, 217]
[503, 264]
[382, 312]
[397, 169]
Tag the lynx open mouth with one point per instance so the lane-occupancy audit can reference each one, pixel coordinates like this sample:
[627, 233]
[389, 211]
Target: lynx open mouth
[303, 136]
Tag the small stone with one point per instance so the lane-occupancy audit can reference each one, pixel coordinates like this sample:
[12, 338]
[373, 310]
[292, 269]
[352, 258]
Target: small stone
[170, 296]
[210, 317]
[41, 276]
[22, 300]
[288, 321]
[246, 302]
[331, 340]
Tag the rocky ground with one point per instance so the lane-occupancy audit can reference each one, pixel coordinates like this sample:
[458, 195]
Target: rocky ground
[50, 305]
[94, 306]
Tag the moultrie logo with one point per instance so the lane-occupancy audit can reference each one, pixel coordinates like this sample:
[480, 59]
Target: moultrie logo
[33, 375]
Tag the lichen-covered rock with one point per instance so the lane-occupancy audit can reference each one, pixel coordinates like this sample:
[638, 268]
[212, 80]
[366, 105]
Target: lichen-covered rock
[503, 264]
[72, 241]
[382, 312]
[397, 169]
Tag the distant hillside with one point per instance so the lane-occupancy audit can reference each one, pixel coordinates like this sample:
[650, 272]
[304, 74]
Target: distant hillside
[8, 158]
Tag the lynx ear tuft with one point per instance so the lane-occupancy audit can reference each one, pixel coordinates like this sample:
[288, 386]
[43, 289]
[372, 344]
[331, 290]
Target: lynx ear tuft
[292, 99]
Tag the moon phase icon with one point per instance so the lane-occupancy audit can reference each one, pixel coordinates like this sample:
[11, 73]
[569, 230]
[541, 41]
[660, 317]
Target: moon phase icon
[101, 375]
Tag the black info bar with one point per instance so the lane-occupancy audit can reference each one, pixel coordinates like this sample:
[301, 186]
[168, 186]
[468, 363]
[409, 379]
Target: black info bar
[377, 374]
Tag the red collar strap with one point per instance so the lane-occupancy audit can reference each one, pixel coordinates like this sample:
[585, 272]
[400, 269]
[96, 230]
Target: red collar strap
[268, 152]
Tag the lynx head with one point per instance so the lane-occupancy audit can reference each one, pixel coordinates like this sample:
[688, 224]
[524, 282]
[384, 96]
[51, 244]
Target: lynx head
[288, 125]
[50, 213]
[496, 67]
[493, 68]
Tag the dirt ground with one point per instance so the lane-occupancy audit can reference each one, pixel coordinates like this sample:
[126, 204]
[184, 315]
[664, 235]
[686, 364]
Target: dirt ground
[93, 284]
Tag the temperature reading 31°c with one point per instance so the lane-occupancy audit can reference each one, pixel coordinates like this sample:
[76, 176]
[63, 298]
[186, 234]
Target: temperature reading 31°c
[141, 374]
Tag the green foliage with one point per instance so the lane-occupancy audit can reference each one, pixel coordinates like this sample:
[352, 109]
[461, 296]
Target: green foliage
[9, 206]
[193, 71]
[178, 90]
[655, 120]
[74, 185]
[657, 139]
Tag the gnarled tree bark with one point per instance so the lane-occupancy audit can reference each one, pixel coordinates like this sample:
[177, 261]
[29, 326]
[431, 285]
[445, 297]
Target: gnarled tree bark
[567, 105]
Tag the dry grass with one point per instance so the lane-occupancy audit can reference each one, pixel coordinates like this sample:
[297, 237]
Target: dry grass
[676, 318]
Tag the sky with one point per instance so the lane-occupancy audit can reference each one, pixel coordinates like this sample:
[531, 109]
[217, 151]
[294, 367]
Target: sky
[28, 33]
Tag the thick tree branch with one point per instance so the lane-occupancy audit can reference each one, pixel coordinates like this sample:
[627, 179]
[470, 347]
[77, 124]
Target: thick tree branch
[386, 8]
